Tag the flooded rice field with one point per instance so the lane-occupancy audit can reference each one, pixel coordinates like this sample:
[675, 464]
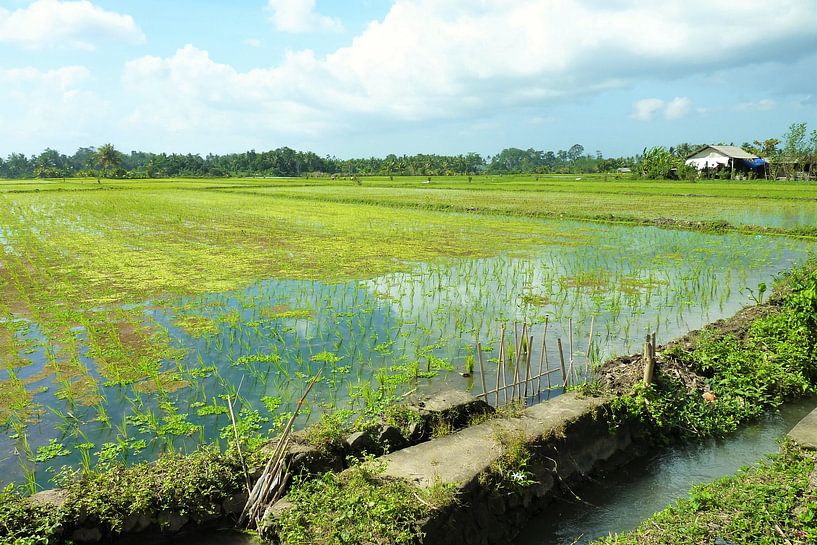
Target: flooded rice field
[128, 381]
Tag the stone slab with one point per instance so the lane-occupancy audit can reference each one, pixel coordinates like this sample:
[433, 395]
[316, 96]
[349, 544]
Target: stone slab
[448, 400]
[805, 432]
[461, 457]
[455, 458]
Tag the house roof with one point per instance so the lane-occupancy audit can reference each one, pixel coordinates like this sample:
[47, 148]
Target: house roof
[733, 152]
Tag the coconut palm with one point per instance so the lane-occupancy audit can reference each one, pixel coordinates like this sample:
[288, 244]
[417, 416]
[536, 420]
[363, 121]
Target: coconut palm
[107, 156]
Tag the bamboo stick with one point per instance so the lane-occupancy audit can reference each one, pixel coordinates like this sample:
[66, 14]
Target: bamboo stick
[238, 442]
[571, 370]
[481, 370]
[527, 366]
[503, 360]
[516, 360]
[501, 367]
[275, 472]
[542, 359]
[544, 374]
[562, 362]
[649, 362]
[589, 348]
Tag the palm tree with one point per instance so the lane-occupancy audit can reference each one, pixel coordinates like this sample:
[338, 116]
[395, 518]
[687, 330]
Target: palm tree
[107, 157]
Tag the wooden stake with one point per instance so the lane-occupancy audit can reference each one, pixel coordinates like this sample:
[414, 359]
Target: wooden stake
[504, 372]
[571, 371]
[649, 362]
[589, 348]
[516, 361]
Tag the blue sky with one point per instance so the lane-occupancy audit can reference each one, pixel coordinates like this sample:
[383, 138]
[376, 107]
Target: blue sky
[371, 77]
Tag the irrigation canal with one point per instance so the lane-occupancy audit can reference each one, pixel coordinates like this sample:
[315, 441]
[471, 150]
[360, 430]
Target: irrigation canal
[621, 500]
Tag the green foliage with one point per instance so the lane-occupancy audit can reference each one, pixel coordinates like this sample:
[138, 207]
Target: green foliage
[357, 507]
[107, 156]
[656, 163]
[187, 485]
[248, 426]
[659, 163]
[402, 417]
[768, 504]
[330, 429]
[25, 523]
[50, 451]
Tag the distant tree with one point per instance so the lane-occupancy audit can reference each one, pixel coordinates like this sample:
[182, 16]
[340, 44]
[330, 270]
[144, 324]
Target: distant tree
[50, 164]
[18, 166]
[657, 163]
[799, 150]
[575, 151]
[684, 149]
[107, 157]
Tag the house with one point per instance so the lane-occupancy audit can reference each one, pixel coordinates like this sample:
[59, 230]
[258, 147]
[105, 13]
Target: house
[716, 158]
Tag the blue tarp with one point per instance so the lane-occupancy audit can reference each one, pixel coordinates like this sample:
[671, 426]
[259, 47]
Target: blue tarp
[754, 163]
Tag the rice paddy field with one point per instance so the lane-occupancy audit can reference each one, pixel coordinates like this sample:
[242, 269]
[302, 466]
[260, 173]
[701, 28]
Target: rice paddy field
[131, 311]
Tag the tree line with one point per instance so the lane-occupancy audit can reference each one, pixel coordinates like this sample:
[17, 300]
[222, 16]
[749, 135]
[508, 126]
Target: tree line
[106, 161]
[791, 156]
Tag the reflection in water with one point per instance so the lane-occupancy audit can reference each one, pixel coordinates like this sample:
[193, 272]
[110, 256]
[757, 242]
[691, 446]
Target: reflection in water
[620, 501]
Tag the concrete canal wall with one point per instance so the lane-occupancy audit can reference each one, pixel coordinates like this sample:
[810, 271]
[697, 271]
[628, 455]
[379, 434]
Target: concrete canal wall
[566, 437]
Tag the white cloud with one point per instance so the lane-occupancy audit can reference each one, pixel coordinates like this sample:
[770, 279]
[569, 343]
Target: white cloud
[460, 59]
[677, 108]
[646, 109]
[49, 107]
[74, 24]
[756, 106]
[252, 42]
[189, 91]
[300, 16]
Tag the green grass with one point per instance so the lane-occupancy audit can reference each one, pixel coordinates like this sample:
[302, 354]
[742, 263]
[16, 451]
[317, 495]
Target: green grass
[594, 196]
[192, 486]
[785, 209]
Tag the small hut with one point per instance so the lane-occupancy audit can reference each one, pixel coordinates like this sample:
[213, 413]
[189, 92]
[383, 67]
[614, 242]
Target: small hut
[713, 158]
